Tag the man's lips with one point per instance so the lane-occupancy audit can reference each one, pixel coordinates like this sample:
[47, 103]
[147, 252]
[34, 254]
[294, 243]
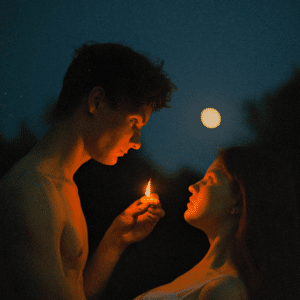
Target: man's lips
[122, 153]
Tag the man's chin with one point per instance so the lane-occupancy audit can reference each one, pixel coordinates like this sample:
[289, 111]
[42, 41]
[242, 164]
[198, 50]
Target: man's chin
[108, 161]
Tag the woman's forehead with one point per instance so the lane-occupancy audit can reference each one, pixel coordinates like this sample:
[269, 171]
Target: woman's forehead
[218, 167]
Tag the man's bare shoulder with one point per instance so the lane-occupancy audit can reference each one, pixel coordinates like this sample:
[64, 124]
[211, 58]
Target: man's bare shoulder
[224, 288]
[27, 194]
[32, 224]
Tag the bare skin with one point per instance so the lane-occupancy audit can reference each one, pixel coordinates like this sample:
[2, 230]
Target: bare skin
[213, 209]
[52, 262]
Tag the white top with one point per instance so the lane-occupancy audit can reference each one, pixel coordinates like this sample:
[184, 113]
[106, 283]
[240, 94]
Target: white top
[189, 293]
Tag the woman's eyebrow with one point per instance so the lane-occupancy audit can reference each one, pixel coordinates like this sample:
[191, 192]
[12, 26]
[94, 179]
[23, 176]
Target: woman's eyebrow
[211, 172]
[216, 172]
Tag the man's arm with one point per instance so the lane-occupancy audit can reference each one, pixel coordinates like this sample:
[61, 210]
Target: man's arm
[31, 233]
[101, 265]
[131, 226]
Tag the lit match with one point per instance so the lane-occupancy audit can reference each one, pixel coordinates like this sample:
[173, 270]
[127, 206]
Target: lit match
[147, 198]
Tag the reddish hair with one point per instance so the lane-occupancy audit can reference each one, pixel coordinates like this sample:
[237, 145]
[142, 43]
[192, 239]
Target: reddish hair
[267, 238]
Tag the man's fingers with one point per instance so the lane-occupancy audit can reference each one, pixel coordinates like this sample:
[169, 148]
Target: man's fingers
[157, 211]
[154, 195]
[153, 200]
[139, 207]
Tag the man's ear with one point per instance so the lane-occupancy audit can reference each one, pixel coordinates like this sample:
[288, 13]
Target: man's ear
[96, 98]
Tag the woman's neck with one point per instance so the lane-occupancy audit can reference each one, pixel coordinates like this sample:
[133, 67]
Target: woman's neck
[221, 251]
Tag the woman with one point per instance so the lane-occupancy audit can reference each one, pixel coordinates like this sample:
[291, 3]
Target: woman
[246, 204]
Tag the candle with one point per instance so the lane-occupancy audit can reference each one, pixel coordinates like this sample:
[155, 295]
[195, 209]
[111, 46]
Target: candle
[147, 198]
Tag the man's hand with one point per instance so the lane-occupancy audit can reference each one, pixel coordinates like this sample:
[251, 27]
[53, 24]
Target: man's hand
[137, 221]
[132, 225]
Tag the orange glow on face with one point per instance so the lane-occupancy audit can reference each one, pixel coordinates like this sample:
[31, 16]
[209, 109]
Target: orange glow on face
[148, 189]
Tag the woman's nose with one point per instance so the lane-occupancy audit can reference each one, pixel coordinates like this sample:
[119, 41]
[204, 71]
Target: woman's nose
[193, 188]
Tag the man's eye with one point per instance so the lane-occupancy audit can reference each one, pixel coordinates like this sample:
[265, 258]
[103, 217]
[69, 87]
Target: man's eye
[134, 121]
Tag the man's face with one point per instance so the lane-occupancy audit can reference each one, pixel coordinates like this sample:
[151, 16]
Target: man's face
[116, 133]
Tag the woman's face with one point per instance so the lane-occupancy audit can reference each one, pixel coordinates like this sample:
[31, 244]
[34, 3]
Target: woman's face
[212, 200]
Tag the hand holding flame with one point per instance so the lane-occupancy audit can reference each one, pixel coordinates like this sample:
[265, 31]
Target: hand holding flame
[137, 221]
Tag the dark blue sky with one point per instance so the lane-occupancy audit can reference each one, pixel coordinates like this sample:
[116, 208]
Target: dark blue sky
[217, 52]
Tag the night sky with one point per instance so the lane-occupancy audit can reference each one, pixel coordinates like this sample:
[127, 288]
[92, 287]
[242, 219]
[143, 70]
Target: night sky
[218, 53]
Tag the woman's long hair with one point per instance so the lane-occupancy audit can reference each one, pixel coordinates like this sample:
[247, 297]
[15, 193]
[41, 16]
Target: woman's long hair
[267, 240]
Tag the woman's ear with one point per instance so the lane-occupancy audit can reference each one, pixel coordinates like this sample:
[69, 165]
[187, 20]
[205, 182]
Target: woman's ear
[238, 207]
[96, 98]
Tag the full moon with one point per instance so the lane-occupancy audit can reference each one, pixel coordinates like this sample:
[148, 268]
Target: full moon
[210, 117]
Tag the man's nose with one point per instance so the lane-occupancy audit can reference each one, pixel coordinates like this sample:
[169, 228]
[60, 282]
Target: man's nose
[136, 141]
[136, 146]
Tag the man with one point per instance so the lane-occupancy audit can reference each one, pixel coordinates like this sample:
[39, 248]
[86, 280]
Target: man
[108, 95]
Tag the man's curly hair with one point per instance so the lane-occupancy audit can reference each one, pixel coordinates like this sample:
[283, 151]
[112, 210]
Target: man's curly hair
[128, 78]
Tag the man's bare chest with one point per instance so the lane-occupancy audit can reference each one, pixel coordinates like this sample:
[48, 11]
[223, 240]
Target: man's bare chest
[74, 237]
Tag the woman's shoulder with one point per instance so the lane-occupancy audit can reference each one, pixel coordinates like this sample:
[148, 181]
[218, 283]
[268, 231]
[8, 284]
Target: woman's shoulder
[224, 288]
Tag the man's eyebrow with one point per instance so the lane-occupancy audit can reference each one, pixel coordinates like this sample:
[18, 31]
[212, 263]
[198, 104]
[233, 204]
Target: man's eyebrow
[141, 115]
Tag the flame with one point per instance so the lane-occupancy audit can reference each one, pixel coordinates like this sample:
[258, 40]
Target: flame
[148, 189]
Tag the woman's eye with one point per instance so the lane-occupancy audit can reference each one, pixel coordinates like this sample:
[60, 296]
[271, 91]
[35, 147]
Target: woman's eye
[207, 179]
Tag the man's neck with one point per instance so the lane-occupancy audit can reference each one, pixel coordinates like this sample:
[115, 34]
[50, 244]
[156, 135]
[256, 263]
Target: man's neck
[61, 151]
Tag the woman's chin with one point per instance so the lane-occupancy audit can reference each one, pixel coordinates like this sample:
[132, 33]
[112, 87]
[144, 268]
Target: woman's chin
[187, 216]
[191, 219]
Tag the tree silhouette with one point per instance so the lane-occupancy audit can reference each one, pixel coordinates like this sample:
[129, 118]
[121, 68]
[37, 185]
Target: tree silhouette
[275, 119]
[276, 123]
[13, 150]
